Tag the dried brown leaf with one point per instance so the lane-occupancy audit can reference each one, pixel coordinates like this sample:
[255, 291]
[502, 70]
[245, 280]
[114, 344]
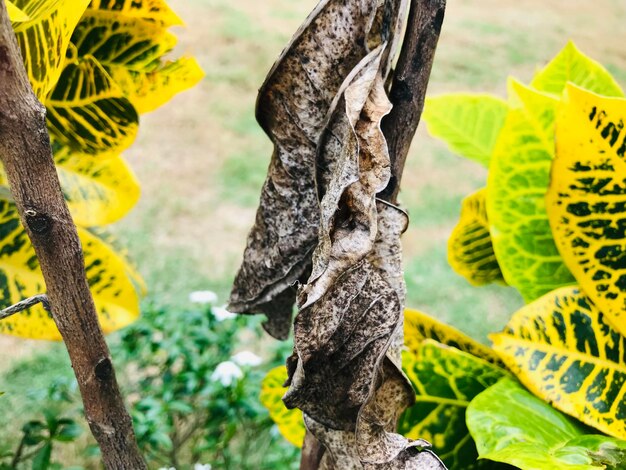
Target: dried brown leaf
[292, 107]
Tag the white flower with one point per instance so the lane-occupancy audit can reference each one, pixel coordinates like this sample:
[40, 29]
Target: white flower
[203, 297]
[221, 314]
[200, 466]
[247, 358]
[226, 372]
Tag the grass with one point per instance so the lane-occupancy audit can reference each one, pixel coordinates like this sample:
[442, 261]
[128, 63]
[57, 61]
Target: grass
[202, 159]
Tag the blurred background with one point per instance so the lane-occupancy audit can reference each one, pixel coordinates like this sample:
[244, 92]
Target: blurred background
[201, 159]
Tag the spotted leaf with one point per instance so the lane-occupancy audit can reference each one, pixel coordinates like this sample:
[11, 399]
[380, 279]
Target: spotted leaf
[154, 10]
[517, 183]
[469, 124]
[571, 65]
[419, 327]
[15, 14]
[88, 112]
[149, 90]
[445, 380]
[512, 426]
[564, 351]
[111, 280]
[470, 251]
[44, 38]
[289, 422]
[587, 198]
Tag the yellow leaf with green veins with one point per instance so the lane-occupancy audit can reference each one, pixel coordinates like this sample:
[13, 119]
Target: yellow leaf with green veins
[289, 422]
[587, 197]
[469, 124]
[88, 112]
[98, 191]
[419, 327]
[45, 37]
[571, 65]
[110, 278]
[445, 380]
[540, 109]
[516, 186]
[15, 14]
[133, 43]
[564, 351]
[153, 10]
[149, 90]
[470, 251]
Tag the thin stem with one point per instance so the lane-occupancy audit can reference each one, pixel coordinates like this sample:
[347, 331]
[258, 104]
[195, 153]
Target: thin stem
[24, 304]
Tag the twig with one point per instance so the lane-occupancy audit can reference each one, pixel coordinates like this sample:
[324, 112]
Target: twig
[24, 304]
[27, 158]
[408, 88]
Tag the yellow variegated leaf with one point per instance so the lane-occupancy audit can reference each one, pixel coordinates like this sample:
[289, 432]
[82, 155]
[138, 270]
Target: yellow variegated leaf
[15, 14]
[516, 187]
[289, 422]
[98, 191]
[587, 198]
[154, 10]
[88, 112]
[571, 65]
[109, 276]
[418, 327]
[133, 43]
[540, 108]
[564, 351]
[44, 38]
[149, 90]
[470, 252]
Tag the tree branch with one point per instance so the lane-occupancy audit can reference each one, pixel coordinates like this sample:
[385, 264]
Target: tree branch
[409, 85]
[24, 304]
[27, 157]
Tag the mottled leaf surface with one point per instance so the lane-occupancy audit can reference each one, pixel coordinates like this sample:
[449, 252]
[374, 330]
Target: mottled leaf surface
[419, 327]
[564, 351]
[445, 380]
[469, 124]
[470, 250]
[111, 279]
[289, 422]
[571, 65]
[154, 10]
[15, 14]
[512, 426]
[587, 198]
[516, 186]
[292, 108]
[88, 112]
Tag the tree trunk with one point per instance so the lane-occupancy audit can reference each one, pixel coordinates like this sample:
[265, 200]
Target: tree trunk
[27, 157]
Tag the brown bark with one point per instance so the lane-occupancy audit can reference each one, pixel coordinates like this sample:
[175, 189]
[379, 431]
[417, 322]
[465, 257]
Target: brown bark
[409, 85]
[27, 157]
[312, 453]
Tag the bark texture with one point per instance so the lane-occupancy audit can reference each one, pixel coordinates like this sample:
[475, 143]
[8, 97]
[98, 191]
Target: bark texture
[27, 157]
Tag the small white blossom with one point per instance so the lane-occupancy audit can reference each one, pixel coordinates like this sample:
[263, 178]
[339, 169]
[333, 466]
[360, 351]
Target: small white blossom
[226, 372]
[200, 466]
[203, 297]
[247, 358]
[221, 314]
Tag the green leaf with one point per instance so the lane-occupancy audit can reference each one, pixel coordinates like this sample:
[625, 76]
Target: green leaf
[517, 183]
[419, 327]
[587, 198]
[470, 251]
[41, 461]
[564, 351]
[154, 10]
[290, 422]
[445, 381]
[67, 431]
[571, 65]
[88, 112]
[111, 279]
[512, 426]
[45, 37]
[469, 124]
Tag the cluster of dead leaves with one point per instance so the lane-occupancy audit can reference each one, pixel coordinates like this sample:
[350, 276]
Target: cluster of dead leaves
[320, 225]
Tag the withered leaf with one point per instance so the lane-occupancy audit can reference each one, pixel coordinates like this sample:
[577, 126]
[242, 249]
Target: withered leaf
[292, 107]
